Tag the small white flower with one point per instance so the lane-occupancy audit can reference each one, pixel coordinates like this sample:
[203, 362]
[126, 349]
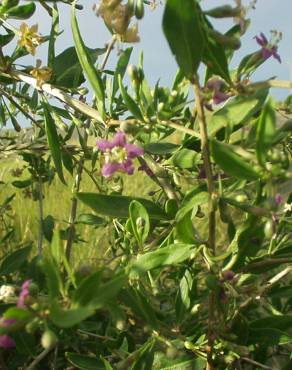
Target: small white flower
[7, 291]
[287, 207]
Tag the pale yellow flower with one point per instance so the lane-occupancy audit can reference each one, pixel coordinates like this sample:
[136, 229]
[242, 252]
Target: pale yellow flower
[29, 38]
[41, 74]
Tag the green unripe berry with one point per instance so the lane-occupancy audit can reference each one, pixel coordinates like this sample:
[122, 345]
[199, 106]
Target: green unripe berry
[269, 229]
[49, 339]
[139, 9]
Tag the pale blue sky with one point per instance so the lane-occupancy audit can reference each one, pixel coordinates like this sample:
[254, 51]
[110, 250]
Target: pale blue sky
[269, 15]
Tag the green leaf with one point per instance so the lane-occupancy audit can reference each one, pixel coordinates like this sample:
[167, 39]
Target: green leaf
[140, 221]
[5, 39]
[269, 336]
[67, 68]
[89, 219]
[279, 322]
[183, 31]
[160, 148]
[87, 289]
[107, 291]
[121, 69]
[21, 11]
[53, 36]
[140, 305]
[118, 205]
[237, 111]
[214, 55]
[193, 199]
[185, 158]
[14, 261]
[170, 255]
[53, 141]
[91, 72]
[231, 162]
[18, 314]
[265, 134]
[48, 227]
[53, 277]
[22, 183]
[84, 362]
[130, 102]
[68, 318]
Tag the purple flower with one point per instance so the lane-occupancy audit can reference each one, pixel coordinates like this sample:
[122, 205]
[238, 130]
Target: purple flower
[228, 275]
[24, 294]
[278, 199]
[268, 48]
[218, 95]
[118, 155]
[6, 342]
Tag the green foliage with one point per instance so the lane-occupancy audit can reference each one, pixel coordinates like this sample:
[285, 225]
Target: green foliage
[170, 248]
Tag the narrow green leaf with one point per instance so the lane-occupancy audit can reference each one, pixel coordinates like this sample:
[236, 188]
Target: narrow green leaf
[68, 318]
[140, 221]
[170, 255]
[130, 102]
[118, 205]
[14, 261]
[266, 129]
[84, 362]
[53, 141]
[231, 162]
[91, 72]
[183, 31]
[53, 36]
[21, 12]
[121, 69]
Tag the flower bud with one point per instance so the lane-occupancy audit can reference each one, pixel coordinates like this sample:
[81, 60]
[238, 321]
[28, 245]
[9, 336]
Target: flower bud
[139, 9]
[49, 339]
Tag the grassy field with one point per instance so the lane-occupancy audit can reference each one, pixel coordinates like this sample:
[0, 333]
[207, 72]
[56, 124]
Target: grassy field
[57, 203]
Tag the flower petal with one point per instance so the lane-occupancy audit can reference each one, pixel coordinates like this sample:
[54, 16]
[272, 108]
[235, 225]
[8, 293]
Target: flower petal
[266, 53]
[104, 145]
[134, 150]
[6, 342]
[128, 167]
[109, 169]
[119, 139]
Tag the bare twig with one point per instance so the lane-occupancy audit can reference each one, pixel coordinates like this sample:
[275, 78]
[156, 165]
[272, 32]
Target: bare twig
[255, 363]
[110, 47]
[39, 358]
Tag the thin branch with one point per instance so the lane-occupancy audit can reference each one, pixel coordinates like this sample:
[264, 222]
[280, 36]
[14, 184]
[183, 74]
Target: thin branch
[39, 358]
[279, 84]
[265, 263]
[110, 47]
[255, 363]
[57, 93]
[41, 217]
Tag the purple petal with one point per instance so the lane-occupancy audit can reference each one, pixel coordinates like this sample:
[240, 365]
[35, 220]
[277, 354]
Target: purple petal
[4, 323]
[26, 284]
[276, 55]
[119, 139]
[110, 168]
[6, 342]
[261, 40]
[214, 84]
[266, 53]
[278, 199]
[134, 150]
[128, 167]
[219, 97]
[104, 145]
